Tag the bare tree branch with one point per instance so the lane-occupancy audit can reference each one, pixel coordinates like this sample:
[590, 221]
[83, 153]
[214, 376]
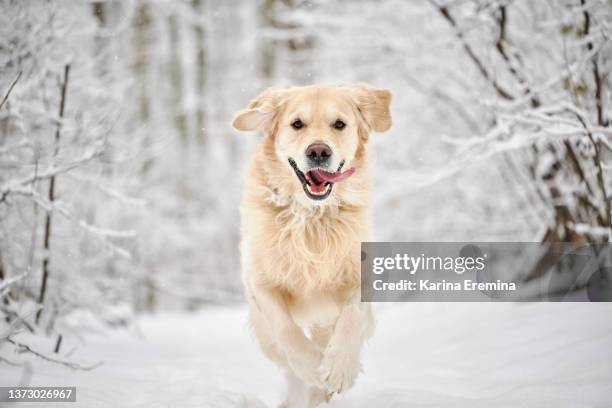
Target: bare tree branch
[483, 71]
[600, 172]
[47, 236]
[17, 186]
[10, 89]
[21, 347]
[500, 46]
[596, 76]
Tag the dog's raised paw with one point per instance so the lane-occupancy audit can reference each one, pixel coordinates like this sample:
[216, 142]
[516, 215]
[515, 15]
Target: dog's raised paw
[339, 370]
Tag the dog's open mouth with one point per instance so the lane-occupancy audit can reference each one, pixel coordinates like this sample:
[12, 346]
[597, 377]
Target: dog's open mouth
[318, 183]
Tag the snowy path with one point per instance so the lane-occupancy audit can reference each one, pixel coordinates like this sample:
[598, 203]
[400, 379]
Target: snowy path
[423, 355]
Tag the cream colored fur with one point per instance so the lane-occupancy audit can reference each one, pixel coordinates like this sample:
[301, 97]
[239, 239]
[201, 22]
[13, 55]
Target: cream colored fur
[300, 257]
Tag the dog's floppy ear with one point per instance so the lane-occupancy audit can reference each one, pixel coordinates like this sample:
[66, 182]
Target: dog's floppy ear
[259, 111]
[373, 104]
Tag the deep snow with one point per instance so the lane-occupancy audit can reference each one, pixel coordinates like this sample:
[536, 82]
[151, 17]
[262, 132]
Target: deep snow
[423, 355]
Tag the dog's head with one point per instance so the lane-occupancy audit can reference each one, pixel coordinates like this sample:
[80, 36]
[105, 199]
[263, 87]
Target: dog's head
[315, 137]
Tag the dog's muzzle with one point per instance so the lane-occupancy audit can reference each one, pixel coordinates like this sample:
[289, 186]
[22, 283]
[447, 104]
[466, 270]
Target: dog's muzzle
[317, 182]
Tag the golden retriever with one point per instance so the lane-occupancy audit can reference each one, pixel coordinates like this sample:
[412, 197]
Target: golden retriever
[304, 214]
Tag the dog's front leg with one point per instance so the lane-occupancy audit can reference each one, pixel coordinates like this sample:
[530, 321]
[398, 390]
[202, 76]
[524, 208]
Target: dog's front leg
[341, 364]
[303, 356]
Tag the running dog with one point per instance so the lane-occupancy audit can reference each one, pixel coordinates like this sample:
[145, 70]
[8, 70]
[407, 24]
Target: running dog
[304, 214]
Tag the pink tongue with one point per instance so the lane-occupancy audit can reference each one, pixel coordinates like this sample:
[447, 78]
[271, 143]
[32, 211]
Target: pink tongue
[333, 177]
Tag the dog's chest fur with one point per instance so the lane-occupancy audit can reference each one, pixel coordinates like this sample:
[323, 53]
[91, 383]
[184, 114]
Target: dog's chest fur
[313, 258]
[303, 252]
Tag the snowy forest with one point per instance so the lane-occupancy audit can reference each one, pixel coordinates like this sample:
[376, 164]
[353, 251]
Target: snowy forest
[121, 177]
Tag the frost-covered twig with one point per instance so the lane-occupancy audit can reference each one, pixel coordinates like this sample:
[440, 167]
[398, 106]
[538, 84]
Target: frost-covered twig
[15, 319]
[21, 347]
[597, 158]
[6, 283]
[47, 235]
[61, 208]
[111, 192]
[8, 93]
[596, 75]
[592, 230]
[471, 54]
[500, 45]
[50, 172]
[99, 232]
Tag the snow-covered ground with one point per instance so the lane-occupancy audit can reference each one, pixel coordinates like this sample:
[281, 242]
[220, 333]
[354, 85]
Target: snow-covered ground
[423, 355]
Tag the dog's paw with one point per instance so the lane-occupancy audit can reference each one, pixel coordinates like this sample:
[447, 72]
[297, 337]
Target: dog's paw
[339, 370]
[318, 396]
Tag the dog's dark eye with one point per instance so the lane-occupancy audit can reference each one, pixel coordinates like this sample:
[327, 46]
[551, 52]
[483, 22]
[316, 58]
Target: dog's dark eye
[297, 124]
[339, 124]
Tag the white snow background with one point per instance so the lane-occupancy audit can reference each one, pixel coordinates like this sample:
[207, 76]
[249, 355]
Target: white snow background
[422, 355]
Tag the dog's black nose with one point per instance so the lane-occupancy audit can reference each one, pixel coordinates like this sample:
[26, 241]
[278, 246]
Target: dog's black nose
[319, 154]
